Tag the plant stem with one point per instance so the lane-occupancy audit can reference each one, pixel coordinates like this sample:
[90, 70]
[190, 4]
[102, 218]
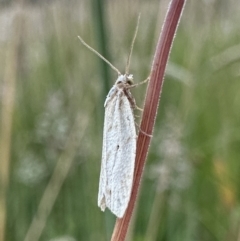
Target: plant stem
[150, 109]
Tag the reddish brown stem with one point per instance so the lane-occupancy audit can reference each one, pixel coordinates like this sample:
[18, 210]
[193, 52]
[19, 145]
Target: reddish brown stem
[150, 109]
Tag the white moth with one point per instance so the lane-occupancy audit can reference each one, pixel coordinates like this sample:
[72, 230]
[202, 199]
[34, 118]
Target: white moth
[119, 148]
[119, 142]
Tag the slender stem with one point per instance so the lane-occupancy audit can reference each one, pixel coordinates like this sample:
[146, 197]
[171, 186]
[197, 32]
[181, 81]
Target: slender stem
[7, 114]
[56, 181]
[150, 109]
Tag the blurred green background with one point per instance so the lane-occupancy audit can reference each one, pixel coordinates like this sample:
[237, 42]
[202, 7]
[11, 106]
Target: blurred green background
[52, 91]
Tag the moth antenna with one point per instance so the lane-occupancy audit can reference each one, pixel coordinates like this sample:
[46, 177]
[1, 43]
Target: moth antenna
[132, 44]
[99, 55]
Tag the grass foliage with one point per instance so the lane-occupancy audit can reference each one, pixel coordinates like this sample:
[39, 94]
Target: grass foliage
[190, 186]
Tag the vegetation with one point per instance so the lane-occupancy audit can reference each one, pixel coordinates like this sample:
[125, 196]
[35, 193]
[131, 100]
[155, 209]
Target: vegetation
[52, 95]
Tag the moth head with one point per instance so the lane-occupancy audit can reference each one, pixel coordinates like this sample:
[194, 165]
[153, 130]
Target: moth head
[129, 79]
[124, 79]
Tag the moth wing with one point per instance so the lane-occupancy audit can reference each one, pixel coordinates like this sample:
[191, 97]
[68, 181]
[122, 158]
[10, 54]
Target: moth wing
[118, 156]
[123, 168]
[109, 137]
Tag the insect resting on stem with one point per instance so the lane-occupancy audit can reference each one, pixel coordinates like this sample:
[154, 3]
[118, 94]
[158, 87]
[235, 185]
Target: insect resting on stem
[119, 140]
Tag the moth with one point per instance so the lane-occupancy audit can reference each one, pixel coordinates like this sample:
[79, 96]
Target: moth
[119, 148]
[119, 142]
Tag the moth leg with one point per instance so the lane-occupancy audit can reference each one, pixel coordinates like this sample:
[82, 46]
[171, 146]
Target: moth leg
[138, 108]
[140, 83]
[145, 133]
[142, 130]
[137, 116]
